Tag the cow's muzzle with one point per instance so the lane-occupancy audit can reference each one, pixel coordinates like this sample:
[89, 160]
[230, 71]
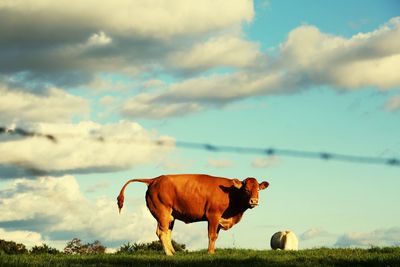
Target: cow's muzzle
[253, 202]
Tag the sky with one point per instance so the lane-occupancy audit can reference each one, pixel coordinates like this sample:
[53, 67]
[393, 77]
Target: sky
[108, 78]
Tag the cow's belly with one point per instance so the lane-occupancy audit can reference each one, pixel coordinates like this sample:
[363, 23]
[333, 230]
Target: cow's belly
[188, 217]
[189, 209]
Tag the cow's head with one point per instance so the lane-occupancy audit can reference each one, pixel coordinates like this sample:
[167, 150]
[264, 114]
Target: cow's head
[250, 187]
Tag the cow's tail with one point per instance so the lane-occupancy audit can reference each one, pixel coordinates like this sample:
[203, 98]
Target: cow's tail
[120, 198]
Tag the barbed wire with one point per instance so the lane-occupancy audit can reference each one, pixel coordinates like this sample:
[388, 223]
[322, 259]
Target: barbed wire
[327, 156]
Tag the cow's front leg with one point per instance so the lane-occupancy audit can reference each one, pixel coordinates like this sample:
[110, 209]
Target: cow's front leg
[213, 229]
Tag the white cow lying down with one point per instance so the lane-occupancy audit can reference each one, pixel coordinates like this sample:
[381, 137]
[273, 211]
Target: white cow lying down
[285, 240]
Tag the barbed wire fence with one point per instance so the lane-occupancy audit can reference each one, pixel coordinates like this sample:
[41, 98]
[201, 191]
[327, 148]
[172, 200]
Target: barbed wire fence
[269, 151]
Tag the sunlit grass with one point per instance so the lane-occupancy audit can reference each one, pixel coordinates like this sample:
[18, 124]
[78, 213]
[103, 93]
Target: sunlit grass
[223, 257]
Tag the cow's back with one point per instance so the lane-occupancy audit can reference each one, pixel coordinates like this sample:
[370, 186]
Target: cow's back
[190, 196]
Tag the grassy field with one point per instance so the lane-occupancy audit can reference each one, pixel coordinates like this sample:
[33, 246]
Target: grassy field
[223, 257]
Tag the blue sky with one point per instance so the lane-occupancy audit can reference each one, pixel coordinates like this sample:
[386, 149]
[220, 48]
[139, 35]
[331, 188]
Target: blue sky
[302, 75]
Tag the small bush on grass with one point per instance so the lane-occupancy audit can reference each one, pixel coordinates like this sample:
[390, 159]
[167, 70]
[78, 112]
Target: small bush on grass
[152, 246]
[44, 249]
[75, 246]
[10, 247]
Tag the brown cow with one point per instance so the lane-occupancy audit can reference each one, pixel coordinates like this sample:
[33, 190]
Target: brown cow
[197, 197]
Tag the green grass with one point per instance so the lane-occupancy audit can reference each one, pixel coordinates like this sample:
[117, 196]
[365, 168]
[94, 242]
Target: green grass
[223, 257]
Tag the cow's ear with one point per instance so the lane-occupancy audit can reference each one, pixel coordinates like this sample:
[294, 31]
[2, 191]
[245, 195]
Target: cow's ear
[237, 183]
[263, 185]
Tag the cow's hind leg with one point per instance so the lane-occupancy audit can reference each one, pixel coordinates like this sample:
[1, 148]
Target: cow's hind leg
[164, 234]
[163, 215]
[171, 226]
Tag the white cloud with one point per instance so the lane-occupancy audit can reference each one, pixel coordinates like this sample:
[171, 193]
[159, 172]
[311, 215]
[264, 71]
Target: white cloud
[55, 105]
[61, 207]
[48, 206]
[308, 57]
[153, 83]
[379, 237]
[230, 51]
[314, 233]
[143, 106]
[104, 84]
[226, 88]
[181, 37]
[140, 17]
[265, 162]
[99, 39]
[377, 72]
[194, 95]
[365, 59]
[79, 149]
[219, 163]
[107, 100]
[138, 37]
[28, 238]
[393, 103]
